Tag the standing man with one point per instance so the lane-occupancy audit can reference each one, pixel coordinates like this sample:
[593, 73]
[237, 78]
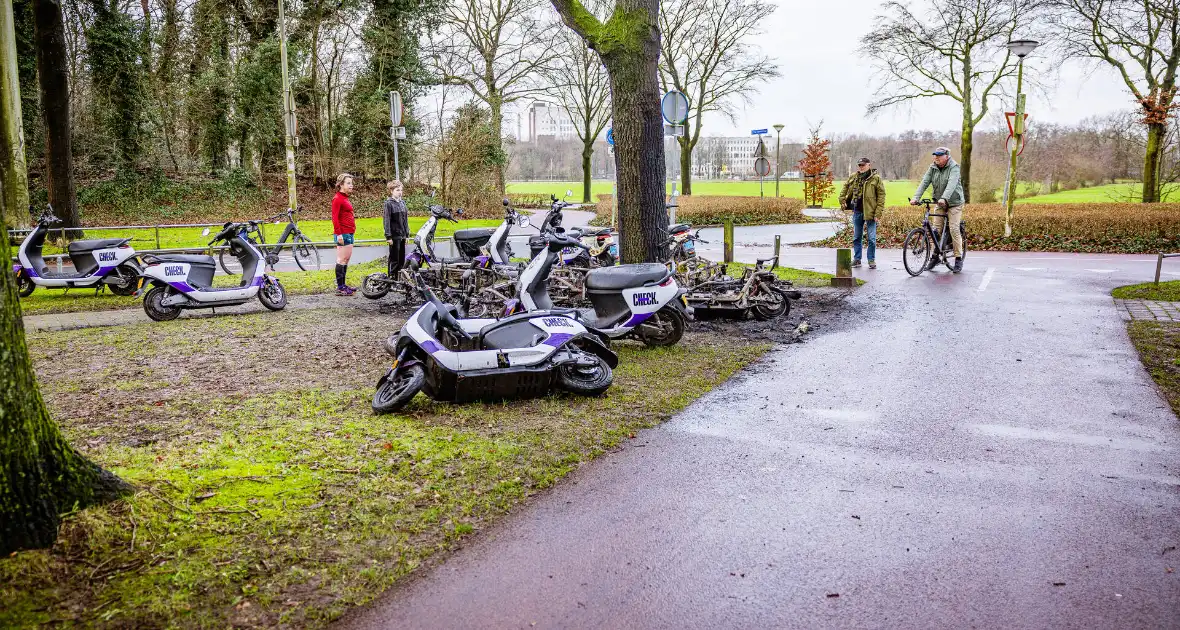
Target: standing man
[397, 227]
[864, 195]
[947, 188]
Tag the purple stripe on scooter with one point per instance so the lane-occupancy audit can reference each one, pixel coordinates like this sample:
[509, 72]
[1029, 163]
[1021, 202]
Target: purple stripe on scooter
[637, 319]
[258, 281]
[556, 339]
[431, 347]
[183, 287]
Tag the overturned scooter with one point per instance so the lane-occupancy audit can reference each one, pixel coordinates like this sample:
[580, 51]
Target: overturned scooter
[175, 282]
[461, 360]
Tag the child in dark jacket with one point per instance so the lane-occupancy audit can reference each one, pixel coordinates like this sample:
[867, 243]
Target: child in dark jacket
[397, 227]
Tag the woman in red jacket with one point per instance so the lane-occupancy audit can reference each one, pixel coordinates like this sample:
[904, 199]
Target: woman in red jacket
[343, 231]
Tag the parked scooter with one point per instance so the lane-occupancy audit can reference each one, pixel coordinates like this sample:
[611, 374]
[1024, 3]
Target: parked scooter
[499, 249]
[175, 282]
[460, 360]
[99, 263]
[641, 301]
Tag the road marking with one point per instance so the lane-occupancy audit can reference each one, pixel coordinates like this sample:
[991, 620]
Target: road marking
[987, 277]
[1173, 273]
[1029, 268]
[1103, 270]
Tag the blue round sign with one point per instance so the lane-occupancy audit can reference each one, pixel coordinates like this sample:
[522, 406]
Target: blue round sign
[610, 136]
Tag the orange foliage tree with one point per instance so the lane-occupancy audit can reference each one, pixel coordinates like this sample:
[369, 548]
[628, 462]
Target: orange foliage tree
[816, 167]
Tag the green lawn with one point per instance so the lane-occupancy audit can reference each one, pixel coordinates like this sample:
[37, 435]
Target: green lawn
[267, 494]
[794, 189]
[1167, 291]
[1158, 344]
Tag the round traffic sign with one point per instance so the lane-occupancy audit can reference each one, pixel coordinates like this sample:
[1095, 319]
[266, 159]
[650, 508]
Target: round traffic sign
[610, 136]
[674, 107]
[762, 167]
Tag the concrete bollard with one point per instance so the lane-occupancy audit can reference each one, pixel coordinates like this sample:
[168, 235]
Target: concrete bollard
[728, 227]
[844, 269]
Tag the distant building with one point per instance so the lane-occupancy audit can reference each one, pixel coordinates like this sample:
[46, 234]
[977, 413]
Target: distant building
[725, 157]
[548, 120]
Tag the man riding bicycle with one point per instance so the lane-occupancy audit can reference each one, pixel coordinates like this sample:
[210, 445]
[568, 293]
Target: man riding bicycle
[943, 179]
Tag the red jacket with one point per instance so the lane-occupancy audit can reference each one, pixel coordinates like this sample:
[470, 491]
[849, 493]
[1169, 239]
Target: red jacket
[343, 220]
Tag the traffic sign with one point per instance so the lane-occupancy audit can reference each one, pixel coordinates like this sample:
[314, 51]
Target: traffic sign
[758, 132]
[674, 107]
[762, 167]
[610, 136]
[395, 108]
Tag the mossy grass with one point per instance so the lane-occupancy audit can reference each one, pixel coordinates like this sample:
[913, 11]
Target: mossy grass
[1167, 291]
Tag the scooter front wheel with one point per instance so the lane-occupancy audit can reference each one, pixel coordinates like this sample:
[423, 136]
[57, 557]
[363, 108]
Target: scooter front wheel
[664, 328]
[375, 286]
[154, 307]
[588, 376]
[394, 391]
[272, 295]
[24, 285]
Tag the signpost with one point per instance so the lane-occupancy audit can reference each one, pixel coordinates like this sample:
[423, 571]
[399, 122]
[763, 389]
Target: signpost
[614, 198]
[674, 107]
[396, 130]
[762, 168]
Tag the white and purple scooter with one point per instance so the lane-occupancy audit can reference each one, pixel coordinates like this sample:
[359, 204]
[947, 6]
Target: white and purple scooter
[109, 263]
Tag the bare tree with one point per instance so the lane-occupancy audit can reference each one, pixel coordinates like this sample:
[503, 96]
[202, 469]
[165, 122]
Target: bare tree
[1140, 39]
[950, 48]
[628, 42]
[581, 86]
[496, 49]
[706, 54]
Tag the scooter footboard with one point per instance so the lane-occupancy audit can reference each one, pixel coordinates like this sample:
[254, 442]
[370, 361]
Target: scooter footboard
[491, 384]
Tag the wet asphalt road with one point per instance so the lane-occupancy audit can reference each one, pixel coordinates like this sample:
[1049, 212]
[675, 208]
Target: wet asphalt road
[980, 450]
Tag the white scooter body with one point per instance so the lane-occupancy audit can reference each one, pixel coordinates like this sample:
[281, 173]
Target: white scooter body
[558, 329]
[190, 277]
[106, 258]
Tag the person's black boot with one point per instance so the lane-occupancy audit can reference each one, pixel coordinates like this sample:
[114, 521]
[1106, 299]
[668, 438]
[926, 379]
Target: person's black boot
[933, 262]
[958, 264]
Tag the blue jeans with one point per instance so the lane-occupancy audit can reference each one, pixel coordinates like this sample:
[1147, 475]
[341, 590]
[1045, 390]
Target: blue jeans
[859, 230]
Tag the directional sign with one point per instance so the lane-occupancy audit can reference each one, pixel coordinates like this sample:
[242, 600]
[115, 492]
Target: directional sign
[674, 106]
[762, 167]
[758, 132]
[610, 136]
[395, 108]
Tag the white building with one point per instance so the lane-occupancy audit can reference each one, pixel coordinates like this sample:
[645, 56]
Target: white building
[727, 156]
[546, 119]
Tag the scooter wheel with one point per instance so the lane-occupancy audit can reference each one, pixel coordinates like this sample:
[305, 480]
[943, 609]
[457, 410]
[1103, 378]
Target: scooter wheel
[585, 380]
[129, 276]
[664, 328]
[763, 312]
[272, 295]
[24, 286]
[154, 307]
[393, 394]
[375, 286]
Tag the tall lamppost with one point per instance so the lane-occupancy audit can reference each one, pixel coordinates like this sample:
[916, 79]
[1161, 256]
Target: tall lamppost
[1021, 48]
[778, 141]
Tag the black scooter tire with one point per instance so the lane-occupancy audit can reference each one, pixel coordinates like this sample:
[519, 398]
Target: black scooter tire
[274, 296]
[763, 313]
[672, 337]
[157, 311]
[375, 286]
[25, 286]
[131, 275]
[391, 396]
[585, 382]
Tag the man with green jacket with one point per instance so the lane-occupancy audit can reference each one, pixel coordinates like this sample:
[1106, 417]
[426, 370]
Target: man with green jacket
[864, 195]
[947, 188]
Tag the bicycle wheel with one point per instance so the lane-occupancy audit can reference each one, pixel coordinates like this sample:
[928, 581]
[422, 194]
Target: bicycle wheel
[229, 262]
[916, 251]
[949, 258]
[306, 256]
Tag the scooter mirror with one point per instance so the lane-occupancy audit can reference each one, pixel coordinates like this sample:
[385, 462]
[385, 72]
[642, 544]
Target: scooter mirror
[205, 232]
[523, 221]
[569, 193]
[506, 202]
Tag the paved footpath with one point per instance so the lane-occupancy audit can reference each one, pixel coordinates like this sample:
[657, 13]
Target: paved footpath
[982, 450]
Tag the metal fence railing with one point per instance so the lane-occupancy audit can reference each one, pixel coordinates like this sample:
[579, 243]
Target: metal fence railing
[1159, 265]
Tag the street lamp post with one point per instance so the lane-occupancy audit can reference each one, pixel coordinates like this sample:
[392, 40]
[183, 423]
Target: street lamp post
[778, 143]
[1021, 48]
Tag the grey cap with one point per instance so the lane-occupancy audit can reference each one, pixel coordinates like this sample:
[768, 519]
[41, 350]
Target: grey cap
[864, 160]
[941, 151]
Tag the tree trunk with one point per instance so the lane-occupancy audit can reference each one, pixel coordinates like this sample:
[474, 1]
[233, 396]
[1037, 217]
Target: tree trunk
[1151, 162]
[686, 147]
[53, 70]
[587, 153]
[14, 198]
[965, 157]
[40, 475]
[497, 121]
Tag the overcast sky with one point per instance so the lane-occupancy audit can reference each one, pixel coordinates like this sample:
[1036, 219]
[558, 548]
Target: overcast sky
[823, 77]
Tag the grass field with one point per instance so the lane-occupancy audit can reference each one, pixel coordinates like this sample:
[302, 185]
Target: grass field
[1167, 291]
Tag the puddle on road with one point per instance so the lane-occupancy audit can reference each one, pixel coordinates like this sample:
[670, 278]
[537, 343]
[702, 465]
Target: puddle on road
[1000, 430]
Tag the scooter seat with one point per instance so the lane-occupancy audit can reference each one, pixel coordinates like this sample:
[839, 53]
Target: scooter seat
[677, 228]
[625, 276]
[472, 234]
[192, 259]
[78, 247]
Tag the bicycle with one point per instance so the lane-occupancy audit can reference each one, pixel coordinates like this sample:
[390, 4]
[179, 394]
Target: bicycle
[306, 256]
[919, 243]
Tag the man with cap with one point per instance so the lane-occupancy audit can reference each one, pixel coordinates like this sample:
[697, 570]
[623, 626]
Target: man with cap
[864, 195]
[947, 188]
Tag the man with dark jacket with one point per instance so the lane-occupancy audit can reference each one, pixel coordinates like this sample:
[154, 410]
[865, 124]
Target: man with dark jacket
[864, 195]
[396, 221]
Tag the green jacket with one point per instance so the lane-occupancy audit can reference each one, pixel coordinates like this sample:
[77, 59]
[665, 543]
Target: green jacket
[944, 183]
[871, 191]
